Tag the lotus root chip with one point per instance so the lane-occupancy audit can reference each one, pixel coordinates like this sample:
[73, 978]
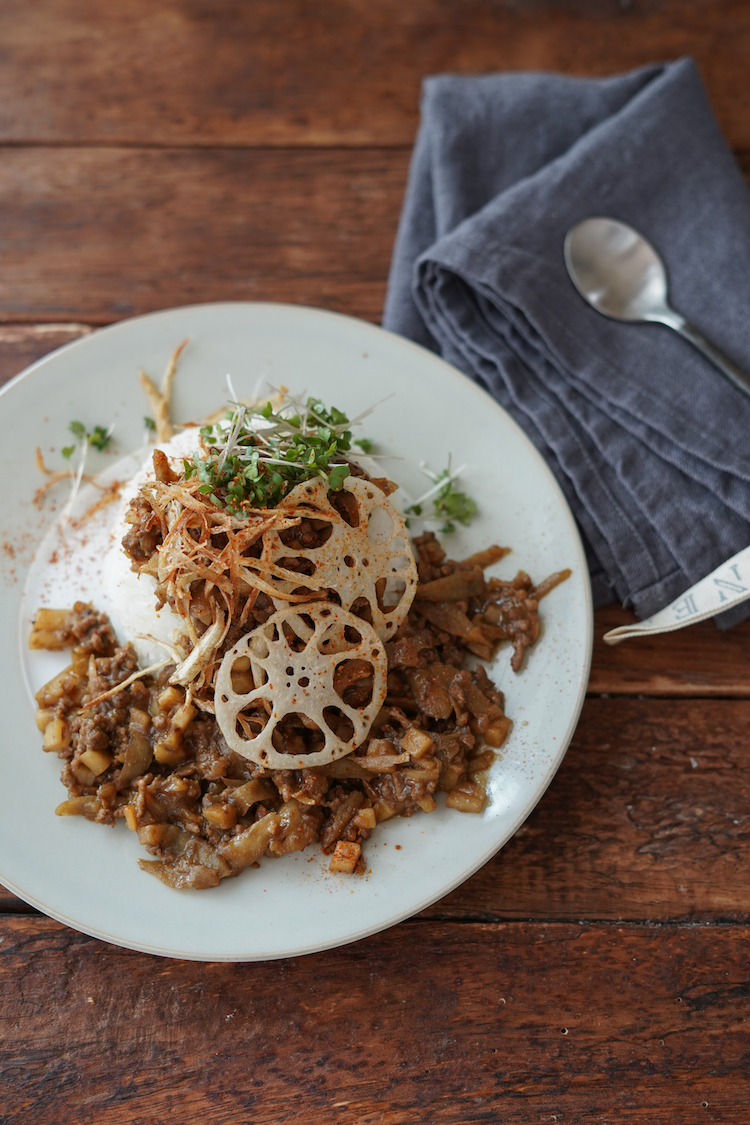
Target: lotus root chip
[371, 562]
[294, 656]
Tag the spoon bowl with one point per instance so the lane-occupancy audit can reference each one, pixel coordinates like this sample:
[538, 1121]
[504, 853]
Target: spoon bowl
[620, 274]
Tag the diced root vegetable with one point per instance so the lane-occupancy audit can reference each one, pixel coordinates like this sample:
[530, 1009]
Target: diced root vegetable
[183, 717]
[451, 777]
[83, 774]
[365, 818]
[57, 735]
[44, 717]
[416, 743]
[169, 751]
[131, 819]
[221, 816]
[51, 619]
[427, 804]
[467, 797]
[497, 732]
[139, 720]
[170, 697]
[96, 760]
[150, 835]
[64, 683]
[345, 857]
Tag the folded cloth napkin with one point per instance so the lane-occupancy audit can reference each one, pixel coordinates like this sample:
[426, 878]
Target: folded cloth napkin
[650, 443]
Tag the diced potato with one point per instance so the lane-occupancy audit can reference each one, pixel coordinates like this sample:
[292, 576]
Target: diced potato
[345, 857]
[383, 811]
[96, 760]
[83, 774]
[498, 731]
[150, 835]
[64, 683]
[427, 803]
[44, 717]
[365, 818]
[451, 777]
[50, 630]
[416, 742]
[221, 816]
[466, 797]
[427, 772]
[51, 618]
[57, 735]
[130, 818]
[183, 717]
[79, 661]
[139, 720]
[170, 697]
[169, 751]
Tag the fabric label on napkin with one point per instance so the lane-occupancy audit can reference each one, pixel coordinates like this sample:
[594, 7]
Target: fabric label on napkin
[727, 586]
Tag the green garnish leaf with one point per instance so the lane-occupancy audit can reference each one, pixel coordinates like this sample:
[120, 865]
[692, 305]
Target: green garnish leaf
[449, 503]
[365, 444]
[150, 424]
[337, 476]
[99, 437]
[68, 451]
[78, 430]
[452, 504]
[245, 465]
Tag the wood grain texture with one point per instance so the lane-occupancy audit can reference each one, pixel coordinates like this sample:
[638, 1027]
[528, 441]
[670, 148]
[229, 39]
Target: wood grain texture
[23, 344]
[207, 72]
[100, 234]
[96, 235]
[427, 1023]
[698, 661]
[648, 819]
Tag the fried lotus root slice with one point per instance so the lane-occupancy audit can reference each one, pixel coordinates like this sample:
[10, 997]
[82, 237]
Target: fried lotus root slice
[294, 657]
[371, 561]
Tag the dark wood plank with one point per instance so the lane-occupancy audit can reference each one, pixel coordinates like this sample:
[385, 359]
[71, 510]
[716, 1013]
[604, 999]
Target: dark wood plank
[699, 661]
[23, 344]
[97, 235]
[427, 1023]
[646, 820]
[338, 72]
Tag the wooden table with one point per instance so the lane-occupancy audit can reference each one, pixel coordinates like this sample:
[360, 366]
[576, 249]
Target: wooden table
[597, 970]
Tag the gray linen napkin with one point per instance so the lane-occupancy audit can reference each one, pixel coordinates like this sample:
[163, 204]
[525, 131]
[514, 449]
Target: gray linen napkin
[650, 443]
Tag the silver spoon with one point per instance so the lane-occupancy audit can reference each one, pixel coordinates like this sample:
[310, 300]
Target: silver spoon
[620, 274]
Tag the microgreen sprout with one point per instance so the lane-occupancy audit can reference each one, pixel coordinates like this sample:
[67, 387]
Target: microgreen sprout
[449, 503]
[258, 454]
[99, 437]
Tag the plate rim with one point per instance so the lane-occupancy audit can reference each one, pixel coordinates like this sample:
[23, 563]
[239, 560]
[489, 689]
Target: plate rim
[583, 673]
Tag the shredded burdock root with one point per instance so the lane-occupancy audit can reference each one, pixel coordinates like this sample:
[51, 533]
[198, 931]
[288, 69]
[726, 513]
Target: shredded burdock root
[146, 754]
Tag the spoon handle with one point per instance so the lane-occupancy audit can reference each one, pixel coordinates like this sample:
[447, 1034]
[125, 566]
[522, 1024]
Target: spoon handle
[737, 376]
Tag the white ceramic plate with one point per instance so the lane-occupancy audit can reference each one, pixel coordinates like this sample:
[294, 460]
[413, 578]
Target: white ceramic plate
[86, 875]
